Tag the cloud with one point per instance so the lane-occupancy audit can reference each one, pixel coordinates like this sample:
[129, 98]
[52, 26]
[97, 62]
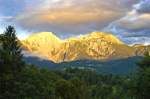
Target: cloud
[134, 26]
[66, 20]
[138, 18]
[135, 22]
[67, 16]
[72, 16]
[5, 18]
[143, 6]
[128, 19]
[3, 21]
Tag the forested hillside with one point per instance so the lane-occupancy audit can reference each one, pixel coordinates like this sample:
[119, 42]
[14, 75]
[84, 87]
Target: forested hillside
[125, 66]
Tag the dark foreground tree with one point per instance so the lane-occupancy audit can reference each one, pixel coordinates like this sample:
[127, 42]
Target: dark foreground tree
[142, 79]
[11, 61]
[10, 52]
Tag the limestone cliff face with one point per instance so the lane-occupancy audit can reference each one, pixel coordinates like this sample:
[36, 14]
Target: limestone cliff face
[140, 49]
[96, 46]
[42, 43]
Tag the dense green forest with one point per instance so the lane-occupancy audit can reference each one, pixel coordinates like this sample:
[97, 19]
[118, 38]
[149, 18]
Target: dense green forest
[19, 80]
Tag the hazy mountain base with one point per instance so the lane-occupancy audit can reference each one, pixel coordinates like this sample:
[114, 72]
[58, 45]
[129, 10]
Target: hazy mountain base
[120, 66]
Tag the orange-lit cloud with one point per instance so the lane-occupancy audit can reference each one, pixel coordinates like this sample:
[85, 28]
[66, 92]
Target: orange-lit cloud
[71, 15]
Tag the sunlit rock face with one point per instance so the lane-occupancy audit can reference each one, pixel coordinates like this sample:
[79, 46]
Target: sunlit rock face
[140, 49]
[94, 46]
[43, 43]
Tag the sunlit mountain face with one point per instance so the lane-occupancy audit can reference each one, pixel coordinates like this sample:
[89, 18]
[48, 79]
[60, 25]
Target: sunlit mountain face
[126, 19]
[93, 46]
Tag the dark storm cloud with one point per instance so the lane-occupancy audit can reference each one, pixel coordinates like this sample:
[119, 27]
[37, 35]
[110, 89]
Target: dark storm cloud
[134, 26]
[143, 6]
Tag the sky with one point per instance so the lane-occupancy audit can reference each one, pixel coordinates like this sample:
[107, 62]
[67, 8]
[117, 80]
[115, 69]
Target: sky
[127, 19]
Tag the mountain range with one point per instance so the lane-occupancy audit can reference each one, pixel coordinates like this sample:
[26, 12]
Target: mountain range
[93, 46]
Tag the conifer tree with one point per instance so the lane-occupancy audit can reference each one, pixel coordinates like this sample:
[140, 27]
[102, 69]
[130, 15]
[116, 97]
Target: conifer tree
[10, 52]
[143, 79]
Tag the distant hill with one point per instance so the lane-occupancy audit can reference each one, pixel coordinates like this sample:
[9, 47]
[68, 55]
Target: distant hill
[120, 66]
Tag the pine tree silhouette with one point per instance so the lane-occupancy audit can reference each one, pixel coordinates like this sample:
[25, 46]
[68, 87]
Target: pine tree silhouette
[11, 60]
